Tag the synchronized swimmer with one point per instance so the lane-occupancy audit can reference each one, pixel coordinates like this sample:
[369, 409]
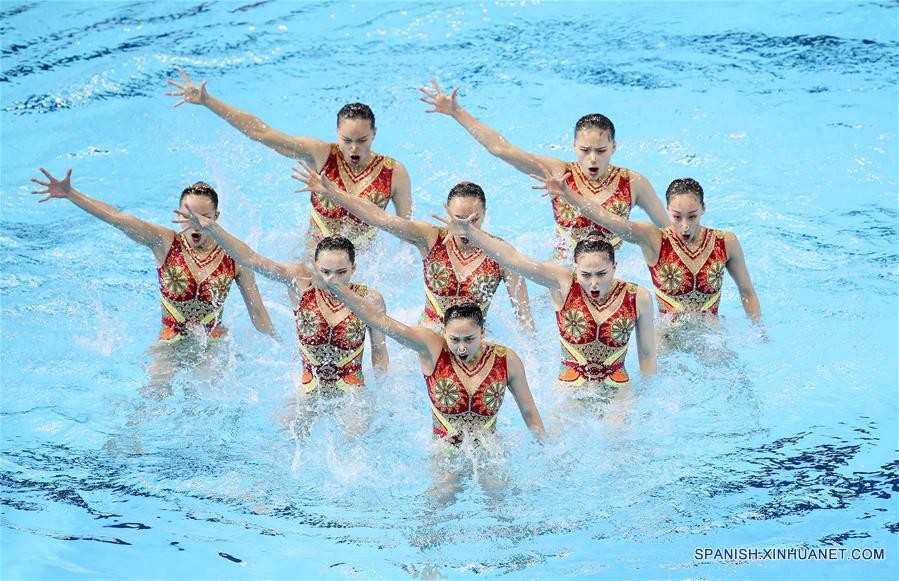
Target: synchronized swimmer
[465, 375]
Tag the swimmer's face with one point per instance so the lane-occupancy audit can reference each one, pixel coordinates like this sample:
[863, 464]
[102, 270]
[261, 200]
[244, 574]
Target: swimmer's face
[354, 138]
[463, 339]
[335, 265]
[595, 273]
[686, 212]
[593, 148]
[203, 206]
[462, 207]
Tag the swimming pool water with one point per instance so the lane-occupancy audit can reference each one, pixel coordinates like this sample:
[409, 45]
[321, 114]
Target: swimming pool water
[785, 112]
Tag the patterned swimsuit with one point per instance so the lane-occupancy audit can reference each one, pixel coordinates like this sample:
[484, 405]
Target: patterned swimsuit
[594, 335]
[689, 280]
[332, 355]
[456, 411]
[193, 290]
[373, 183]
[450, 276]
[571, 225]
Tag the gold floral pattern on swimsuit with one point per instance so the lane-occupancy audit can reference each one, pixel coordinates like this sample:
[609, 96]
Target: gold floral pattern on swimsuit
[331, 339]
[594, 335]
[452, 272]
[466, 400]
[175, 279]
[671, 276]
[494, 394]
[446, 392]
[612, 192]
[374, 182]
[697, 287]
[621, 329]
[193, 289]
[575, 323]
[438, 276]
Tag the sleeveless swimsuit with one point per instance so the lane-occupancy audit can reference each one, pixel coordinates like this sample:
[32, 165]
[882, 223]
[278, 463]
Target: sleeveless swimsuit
[594, 335]
[571, 225]
[373, 183]
[332, 355]
[689, 280]
[453, 409]
[193, 290]
[451, 276]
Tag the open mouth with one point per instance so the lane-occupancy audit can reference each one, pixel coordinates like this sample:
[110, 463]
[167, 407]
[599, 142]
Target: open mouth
[463, 357]
[195, 237]
[355, 158]
[594, 294]
[594, 171]
[463, 239]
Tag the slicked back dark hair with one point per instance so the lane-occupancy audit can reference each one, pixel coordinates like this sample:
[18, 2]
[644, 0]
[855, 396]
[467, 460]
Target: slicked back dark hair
[594, 242]
[595, 121]
[464, 311]
[467, 190]
[356, 111]
[337, 243]
[201, 189]
[685, 186]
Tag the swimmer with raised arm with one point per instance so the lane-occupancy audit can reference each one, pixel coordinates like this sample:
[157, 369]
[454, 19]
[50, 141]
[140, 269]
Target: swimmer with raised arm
[466, 377]
[591, 176]
[453, 268]
[595, 311]
[195, 275]
[350, 162]
[686, 260]
[331, 337]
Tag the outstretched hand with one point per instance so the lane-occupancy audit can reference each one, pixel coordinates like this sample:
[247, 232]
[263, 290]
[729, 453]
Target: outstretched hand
[315, 182]
[555, 186]
[189, 218]
[54, 188]
[189, 93]
[457, 226]
[441, 102]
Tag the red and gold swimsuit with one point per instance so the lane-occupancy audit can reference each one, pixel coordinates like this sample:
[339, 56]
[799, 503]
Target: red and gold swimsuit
[194, 290]
[449, 275]
[689, 280]
[594, 335]
[614, 191]
[454, 409]
[332, 354]
[373, 183]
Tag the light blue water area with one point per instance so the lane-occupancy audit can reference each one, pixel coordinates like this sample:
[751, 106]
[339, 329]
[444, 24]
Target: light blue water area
[785, 112]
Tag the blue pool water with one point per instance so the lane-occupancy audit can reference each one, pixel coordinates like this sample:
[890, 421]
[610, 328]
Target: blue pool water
[785, 112]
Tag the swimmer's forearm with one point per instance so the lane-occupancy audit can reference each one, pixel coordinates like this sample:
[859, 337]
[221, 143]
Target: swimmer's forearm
[135, 228]
[247, 257]
[248, 124]
[751, 306]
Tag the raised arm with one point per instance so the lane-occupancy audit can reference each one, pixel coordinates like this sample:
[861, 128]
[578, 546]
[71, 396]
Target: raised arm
[307, 148]
[411, 231]
[425, 342]
[491, 139]
[552, 276]
[240, 251]
[645, 197]
[736, 266]
[646, 235]
[246, 282]
[646, 337]
[518, 385]
[152, 236]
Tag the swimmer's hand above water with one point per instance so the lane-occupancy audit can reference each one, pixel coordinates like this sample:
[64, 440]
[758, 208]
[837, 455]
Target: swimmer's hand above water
[456, 224]
[441, 102]
[555, 185]
[189, 93]
[54, 188]
[315, 181]
[191, 219]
